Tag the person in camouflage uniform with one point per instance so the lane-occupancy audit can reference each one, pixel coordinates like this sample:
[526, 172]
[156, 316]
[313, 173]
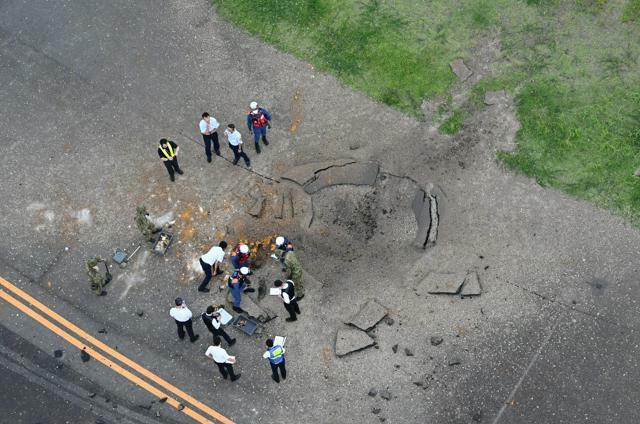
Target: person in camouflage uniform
[144, 224]
[96, 278]
[293, 270]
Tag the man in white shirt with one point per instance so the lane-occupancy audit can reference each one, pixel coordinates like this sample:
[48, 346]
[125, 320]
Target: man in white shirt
[209, 130]
[235, 143]
[222, 359]
[210, 263]
[182, 315]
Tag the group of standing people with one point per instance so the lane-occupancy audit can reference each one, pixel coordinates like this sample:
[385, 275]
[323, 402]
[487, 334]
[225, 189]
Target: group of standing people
[238, 283]
[258, 121]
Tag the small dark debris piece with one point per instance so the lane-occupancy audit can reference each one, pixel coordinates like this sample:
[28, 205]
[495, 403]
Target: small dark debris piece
[385, 394]
[481, 257]
[92, 395]
[373, 392]
[139, 312]
[100, 421]
[435, 340]
[477, 417]
[418, 383]
[375, 411]
[390, 321]
[408, 351]
[57, 353]
[486, 267]
[574, 302]
[394, 348]
[180, 407]
[163, 400]
[102, 331]
[147, 407]
[84, 356]
[397, 366]
[382, 419]
[454, 361]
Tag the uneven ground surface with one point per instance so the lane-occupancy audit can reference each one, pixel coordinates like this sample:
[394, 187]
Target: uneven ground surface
[88, 89]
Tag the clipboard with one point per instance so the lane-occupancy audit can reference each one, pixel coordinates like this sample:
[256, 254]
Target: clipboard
[275, 291]
[225, 317]
[279, 340]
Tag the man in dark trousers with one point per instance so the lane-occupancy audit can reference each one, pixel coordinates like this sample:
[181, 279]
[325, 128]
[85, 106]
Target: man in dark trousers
[210, 263]
[168, 152]
[209, 130]
[275, 355]
[235, 144]
[182, 315]
[222, 359]
[288, 295]
[258, 120]
[211, 319]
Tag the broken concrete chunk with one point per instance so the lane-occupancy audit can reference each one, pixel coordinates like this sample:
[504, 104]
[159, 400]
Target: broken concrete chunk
[495, 97]
[304, 173]
[394, 348]
[278, 204]
[368, 316]
[256, 206]
[373, 392]
[471, 286]
[435, 340]
[58, 353]
[385, 394]
[302, 206]
[408, 351]
[460, 69]
[454, 360]
[360, 173]
[351, 340]
[425, 209]
[84, 356]
[436, 283]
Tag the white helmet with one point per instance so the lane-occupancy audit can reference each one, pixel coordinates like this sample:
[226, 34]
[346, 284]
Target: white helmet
[253, 105]
[244, 248]
[244, 270]
[279, 241]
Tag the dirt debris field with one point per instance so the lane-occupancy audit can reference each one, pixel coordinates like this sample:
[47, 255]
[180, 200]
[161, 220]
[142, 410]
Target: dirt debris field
[382, 209]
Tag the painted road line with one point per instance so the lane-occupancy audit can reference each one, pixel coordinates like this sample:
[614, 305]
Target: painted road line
[115, 354]
[101, 358]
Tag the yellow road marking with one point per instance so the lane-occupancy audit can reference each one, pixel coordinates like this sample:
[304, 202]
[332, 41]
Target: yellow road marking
[107, 349]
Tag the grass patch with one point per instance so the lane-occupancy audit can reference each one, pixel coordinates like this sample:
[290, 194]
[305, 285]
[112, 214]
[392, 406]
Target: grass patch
[631, 11]
[572, 65]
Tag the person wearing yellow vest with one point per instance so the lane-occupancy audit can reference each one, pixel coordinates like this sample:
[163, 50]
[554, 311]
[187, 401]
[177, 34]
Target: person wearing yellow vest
[275, 355]
[168, 152]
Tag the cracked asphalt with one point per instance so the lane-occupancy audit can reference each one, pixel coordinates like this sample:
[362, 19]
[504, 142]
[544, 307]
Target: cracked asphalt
[88, 88]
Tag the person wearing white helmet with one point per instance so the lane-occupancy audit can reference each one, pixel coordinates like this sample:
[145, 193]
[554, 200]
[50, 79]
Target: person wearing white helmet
[239, 283]
[282, 247]
[240, 256]
[258, 120]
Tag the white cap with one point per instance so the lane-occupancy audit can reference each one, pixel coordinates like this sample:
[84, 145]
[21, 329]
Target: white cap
[253, 105]
[279, 241]
[244, 270]
[244, 248]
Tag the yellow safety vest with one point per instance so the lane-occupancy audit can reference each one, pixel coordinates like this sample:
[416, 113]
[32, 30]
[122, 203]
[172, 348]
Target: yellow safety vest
[165, 152]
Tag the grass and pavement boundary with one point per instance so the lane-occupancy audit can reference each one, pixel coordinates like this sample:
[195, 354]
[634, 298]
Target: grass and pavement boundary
[573, 67]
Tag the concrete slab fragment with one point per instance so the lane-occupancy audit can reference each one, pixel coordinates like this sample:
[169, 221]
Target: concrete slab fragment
[369, 315]
[304, 173]
[495, 97]
[255, 209]
[360, 173]
[447, 283]
[471, 286]
[460, 69]
[302, 205]
[278, 203]
[425, 209]
[349, 340]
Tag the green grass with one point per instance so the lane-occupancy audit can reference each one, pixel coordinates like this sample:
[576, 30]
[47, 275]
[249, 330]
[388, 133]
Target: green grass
[573, 66]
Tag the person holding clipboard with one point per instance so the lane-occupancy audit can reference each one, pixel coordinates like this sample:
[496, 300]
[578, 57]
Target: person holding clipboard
[222, 359]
